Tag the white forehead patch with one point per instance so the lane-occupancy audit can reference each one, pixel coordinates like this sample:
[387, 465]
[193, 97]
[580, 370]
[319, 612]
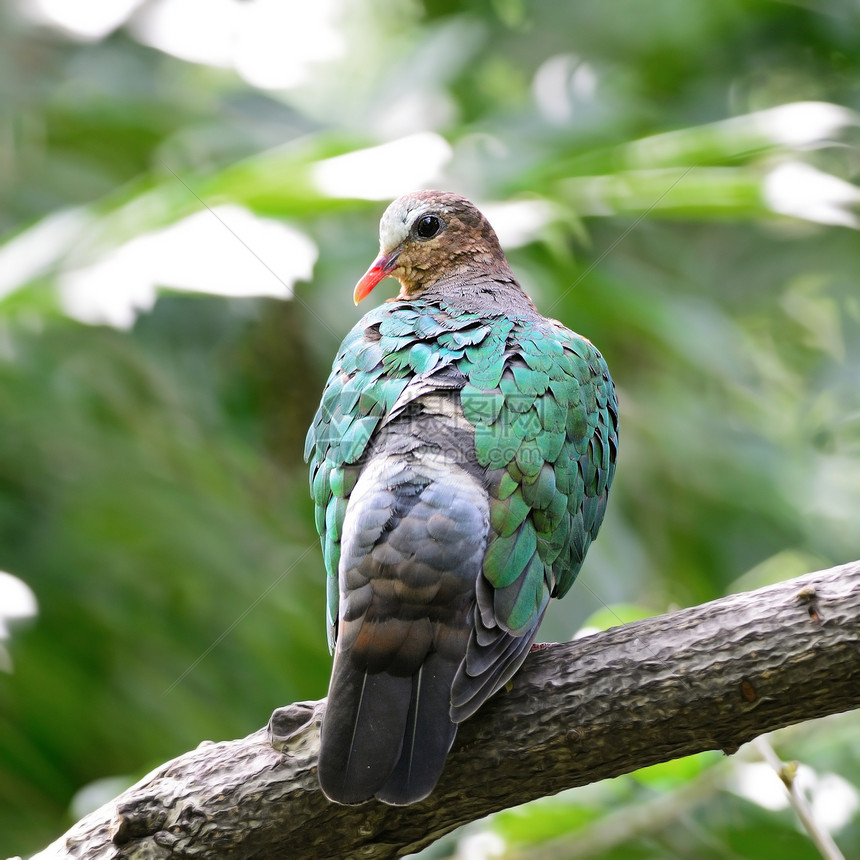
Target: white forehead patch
[399, 217]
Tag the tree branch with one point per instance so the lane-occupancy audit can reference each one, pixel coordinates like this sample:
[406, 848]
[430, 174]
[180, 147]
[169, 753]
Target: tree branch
[710, 677]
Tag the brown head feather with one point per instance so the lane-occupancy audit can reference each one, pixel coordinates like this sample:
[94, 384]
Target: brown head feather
[465, 244]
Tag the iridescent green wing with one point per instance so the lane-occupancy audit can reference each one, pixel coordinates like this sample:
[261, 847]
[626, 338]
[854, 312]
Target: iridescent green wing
[357, 394]
[545, 414]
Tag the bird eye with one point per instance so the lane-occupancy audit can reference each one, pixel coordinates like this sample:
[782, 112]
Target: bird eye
[428, 226]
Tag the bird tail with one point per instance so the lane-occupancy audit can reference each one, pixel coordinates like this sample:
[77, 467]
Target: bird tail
[386, 735]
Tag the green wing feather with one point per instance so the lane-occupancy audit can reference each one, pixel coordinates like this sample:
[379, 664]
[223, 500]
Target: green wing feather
[551, 424]
[354, 400]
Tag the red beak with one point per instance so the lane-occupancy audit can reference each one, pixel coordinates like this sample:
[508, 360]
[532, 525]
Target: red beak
[382, 267]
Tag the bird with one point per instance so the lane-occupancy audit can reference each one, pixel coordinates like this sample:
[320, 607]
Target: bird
[460, 463]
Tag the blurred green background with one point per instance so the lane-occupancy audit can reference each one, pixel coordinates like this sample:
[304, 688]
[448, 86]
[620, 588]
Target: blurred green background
[189, 192]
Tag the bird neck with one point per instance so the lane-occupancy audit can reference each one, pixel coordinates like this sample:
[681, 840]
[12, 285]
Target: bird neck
[477, 289]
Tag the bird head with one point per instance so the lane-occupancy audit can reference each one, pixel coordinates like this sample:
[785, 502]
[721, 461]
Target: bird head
[427, 236]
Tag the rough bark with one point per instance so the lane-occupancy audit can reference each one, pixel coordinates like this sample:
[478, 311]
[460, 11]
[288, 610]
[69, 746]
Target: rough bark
[710, 677]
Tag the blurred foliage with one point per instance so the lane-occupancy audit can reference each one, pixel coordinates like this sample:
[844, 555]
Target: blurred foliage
[152, 492]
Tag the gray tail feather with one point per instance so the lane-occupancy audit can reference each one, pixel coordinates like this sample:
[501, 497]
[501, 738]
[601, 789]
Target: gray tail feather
[386, 735]
[429, 735]
[362, 732]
